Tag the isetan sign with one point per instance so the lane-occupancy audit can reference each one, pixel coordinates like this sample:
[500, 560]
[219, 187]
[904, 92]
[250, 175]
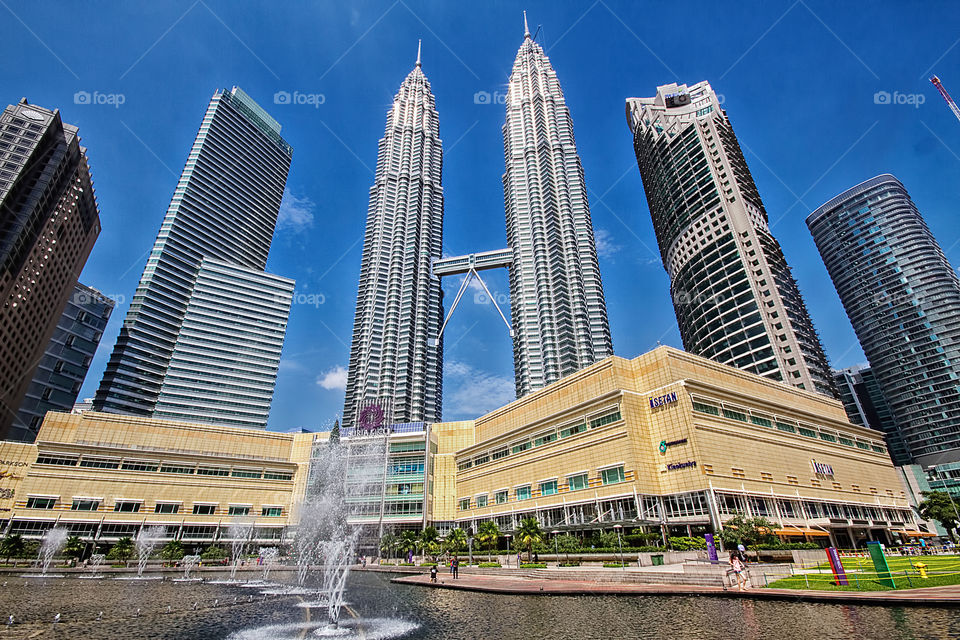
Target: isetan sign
[665, 399]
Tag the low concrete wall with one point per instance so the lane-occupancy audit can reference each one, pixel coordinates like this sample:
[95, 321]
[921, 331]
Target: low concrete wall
[809, 557]
[671, 557]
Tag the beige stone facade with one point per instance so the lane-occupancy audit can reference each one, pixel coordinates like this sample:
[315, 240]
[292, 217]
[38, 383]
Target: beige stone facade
[104, 475]
[667, 442]
[674, 442]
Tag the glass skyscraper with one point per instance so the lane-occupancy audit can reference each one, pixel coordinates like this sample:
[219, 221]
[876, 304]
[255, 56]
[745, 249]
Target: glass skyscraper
[558, 310]
[186, 349]
[735, 298]
[903, 299]
[395, 361]
[865, 405]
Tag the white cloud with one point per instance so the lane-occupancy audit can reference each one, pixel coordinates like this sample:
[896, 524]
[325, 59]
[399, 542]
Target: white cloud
[334, 379]
[606, 247]
[472, 393]
[296, 213]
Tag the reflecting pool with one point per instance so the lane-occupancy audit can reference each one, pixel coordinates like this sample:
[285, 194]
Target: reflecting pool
[376, 608]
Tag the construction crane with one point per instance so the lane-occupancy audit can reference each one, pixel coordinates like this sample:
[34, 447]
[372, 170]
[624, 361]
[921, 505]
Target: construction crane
[946, 96]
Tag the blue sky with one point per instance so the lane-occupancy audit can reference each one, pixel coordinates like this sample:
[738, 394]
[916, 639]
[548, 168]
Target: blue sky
[799, 80]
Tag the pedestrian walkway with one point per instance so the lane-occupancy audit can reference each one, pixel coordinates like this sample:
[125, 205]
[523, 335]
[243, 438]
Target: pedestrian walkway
[510, 585]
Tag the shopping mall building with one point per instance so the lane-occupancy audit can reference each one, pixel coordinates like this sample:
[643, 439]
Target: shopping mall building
[668, 442]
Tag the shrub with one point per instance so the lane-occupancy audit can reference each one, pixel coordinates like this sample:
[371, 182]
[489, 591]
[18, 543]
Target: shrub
[685, 543]
[569, 564]
[406, 564]
[641, 539]
[533, 565]
[488, 565]
[615, 565]
[213, 553]
[428, 564]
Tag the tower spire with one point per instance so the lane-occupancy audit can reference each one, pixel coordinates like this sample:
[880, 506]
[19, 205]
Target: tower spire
[526, 29]
[419, 43]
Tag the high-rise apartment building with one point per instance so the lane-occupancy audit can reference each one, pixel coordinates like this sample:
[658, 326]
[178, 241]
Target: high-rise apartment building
[48, 224]
[903, 299]
[734, 295]
[558, 310]
[57, 379]
[395, 363]
[182, 333]
[865, 405]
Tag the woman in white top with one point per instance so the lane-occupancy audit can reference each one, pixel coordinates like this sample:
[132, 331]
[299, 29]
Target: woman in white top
[739, 570]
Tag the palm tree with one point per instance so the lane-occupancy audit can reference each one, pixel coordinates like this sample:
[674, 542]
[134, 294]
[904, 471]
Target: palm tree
[74, 547]
[12, 545]
[488, 535]
[389, 543]
[172, 551]
[122, 550]
[456, 540]
[528, 534]
[428, 535]
[409, 542]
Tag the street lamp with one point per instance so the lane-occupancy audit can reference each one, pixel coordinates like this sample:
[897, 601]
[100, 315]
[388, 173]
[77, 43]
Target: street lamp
[619, 543]
[556, 547]
[508, 536]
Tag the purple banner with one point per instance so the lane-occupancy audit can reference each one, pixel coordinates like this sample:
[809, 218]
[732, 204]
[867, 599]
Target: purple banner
[839, 575]
[711, 547]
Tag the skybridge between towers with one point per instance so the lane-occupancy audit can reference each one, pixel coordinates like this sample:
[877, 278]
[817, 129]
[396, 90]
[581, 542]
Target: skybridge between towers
[470, 265]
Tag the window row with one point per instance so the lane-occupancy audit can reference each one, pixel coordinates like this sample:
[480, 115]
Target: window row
[731, 505]
[181, 468]
[137, 506]
[574, 482]
[553, 434]
[730, 411]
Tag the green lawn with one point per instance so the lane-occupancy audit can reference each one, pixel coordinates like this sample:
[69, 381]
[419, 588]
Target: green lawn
[942, 571]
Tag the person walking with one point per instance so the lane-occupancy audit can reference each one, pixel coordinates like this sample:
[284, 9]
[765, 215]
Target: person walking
[739, 570]
[456, 567]
[433, 573]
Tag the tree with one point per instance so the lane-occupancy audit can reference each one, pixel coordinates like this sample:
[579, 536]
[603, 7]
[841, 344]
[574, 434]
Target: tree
[488, 535]
[122, 550]
[11, 546]
[74, 547]
[528, 534]
[213, 552]
[334, 439]
[428, 536]
[940, 506]
[172, 551]
[750, 532]
[389, 544]
[456, 540]
[409, 542]
[567, 543]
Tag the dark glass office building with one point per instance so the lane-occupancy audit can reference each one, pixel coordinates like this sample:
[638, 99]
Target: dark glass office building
[903, 299]
[57, 379]
[49, 222]
[865, 405]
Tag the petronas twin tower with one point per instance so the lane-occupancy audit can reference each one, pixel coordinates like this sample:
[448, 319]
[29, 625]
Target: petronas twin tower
[559, 315]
